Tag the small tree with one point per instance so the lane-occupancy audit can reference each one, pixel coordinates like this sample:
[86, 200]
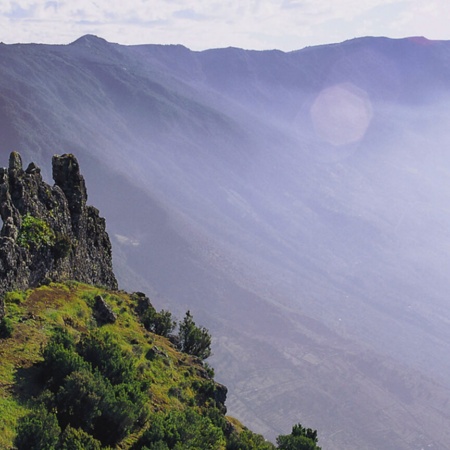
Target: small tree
[247, 440]
[300, 439]
[194, 340]
[158, 322]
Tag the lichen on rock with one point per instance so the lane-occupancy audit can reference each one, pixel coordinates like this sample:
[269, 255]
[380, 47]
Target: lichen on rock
[49, 232]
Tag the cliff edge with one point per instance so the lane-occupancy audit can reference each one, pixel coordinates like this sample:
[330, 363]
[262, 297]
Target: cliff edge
[49, 233]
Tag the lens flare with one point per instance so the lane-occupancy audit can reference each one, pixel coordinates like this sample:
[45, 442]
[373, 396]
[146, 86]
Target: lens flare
[341, 114]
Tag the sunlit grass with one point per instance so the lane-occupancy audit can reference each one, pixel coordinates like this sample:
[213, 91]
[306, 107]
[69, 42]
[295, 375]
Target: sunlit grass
[36, 313]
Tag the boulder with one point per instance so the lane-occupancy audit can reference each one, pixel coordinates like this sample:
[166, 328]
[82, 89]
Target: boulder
[103, 313]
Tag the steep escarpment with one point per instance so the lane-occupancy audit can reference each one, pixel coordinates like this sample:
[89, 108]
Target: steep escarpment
[49, 233]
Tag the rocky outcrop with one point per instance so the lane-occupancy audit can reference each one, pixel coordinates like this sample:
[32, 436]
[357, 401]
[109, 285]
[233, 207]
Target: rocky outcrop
[220, 396]
[103, 313]
[49, 233]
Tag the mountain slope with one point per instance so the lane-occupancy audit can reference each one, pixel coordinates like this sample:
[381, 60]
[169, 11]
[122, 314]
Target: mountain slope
[57, 337]
[296, 202]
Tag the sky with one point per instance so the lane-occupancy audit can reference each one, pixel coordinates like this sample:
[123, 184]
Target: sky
[200, 24]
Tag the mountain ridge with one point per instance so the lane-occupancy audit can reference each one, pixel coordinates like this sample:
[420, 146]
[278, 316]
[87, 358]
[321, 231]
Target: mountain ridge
[247, 210]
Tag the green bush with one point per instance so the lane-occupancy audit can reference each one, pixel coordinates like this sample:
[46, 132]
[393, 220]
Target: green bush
[300, 439]
[95, 384]
[122, 409]
[79, 400]
[38, 431]
[87, 400]
[158, 322]
[182, 430]
[35, 233]
[194, 340]
[6, 328]
[77, 439]
[247, 440]
[60, 362]
[102, 351]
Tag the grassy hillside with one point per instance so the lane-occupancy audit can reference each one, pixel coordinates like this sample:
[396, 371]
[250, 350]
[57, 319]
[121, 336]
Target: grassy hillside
[149, 391]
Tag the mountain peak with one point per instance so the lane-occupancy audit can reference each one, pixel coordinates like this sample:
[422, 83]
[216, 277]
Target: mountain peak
[88, 40]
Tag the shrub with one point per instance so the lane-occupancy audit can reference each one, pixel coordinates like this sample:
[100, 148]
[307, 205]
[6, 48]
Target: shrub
[80, 398]
[60, 362]
[104, 353]
[300, 439]
[122, 409]
[38, 431]
[35, 233]
[158, 322]
[194, 340]
[247, 440]
[96, 386]
[6, 328]
[182, 430]
[77, 439]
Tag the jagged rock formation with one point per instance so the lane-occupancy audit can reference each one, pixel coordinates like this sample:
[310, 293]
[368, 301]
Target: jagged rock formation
[49, 233]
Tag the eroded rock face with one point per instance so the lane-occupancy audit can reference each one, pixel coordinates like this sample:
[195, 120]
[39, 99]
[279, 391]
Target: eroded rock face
[49, 233]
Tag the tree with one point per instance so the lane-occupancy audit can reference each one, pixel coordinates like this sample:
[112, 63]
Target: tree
[194, 340]
[77, 439]
[300, 439]
[158, 322]
[103, 352]
[247, 440]
[38, 431]
[181, 430]
[80, 399]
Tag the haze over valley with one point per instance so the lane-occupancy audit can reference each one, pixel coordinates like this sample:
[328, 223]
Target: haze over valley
[297, 203]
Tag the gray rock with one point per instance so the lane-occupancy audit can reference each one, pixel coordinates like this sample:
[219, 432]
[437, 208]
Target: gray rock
[15, 163]
[103, 313]
[143, 303]
[49, 233]
[220, 395]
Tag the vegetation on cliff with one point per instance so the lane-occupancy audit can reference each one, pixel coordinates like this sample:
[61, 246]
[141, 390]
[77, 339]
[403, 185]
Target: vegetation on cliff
[70, 381]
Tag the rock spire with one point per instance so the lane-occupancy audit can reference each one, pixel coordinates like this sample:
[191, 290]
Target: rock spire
[49, 233]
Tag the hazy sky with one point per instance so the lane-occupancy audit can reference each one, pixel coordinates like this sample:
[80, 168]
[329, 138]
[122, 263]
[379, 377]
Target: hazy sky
[200, 24]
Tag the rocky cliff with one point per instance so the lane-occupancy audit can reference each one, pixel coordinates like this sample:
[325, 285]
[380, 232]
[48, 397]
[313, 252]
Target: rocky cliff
[49, 233]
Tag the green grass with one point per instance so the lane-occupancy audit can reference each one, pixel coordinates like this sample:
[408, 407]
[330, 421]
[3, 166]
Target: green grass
[10, 412]
[36, 313]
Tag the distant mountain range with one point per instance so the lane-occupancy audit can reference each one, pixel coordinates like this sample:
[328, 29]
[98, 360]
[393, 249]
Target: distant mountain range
[297, 203]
